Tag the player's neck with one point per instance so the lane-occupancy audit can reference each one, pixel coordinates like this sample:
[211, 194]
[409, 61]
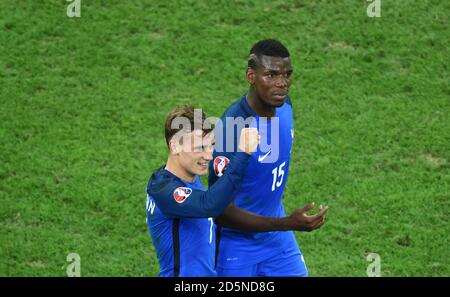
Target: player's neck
[173, 167]
[258, 106]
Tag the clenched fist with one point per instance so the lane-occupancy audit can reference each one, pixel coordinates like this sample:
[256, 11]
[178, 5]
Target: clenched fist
[249, 140]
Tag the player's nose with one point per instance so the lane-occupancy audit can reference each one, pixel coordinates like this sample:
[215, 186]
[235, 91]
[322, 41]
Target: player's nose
[281, 82]
[208, 156]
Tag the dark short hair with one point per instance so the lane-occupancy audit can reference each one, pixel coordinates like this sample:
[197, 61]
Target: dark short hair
[266, 47]
[195, 121]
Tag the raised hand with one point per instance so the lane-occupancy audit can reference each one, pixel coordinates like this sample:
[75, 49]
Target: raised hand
[300, 221]
[249, 140]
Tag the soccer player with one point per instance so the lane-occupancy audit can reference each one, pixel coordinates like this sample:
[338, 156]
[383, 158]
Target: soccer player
[267, 107]
[180, 212]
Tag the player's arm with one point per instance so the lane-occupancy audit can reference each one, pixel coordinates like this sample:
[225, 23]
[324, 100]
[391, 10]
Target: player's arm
[223, 150]
[237, 218]
[174, 200]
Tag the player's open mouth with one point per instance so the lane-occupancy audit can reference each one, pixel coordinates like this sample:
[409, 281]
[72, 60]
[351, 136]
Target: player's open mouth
[280, 96]
[204, 165]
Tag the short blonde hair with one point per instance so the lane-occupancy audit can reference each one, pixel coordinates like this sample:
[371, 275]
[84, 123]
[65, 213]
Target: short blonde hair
[186, 111]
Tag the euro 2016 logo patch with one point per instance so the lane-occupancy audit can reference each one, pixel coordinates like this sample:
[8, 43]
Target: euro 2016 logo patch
[220, 164]
[182, 193]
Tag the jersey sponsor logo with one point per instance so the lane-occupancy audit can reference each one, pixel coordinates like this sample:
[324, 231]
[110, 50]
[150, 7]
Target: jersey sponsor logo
[262, 157]
[220, 164]
[181, 194]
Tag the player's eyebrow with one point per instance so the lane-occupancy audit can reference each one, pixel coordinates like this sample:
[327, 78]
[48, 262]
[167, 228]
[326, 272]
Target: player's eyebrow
[277, 71]
[203, 146]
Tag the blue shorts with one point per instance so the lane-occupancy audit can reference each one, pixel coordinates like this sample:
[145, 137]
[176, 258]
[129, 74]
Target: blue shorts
[289, 263]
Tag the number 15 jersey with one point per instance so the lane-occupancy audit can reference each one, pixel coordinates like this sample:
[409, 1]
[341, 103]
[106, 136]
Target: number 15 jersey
[263, 184]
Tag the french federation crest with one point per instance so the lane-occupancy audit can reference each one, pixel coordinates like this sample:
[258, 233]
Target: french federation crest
[220, 164]
[181, 194]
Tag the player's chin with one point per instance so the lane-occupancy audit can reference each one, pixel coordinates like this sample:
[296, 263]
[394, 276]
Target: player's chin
[278, 101]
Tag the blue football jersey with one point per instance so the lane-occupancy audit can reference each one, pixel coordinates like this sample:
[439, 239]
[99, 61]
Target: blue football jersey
[263, 184]
[180, 219]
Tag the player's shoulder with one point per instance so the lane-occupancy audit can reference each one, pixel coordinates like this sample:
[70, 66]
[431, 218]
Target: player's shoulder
[286, 108]
[159, 180]
[288, 101]
[237, 109]
[240, 108]
[287, 104]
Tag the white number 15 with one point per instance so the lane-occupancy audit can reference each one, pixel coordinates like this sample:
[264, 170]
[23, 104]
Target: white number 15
[278, 175]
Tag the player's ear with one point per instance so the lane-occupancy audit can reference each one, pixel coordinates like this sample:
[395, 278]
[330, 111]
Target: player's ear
[173, 147]
[250, 74]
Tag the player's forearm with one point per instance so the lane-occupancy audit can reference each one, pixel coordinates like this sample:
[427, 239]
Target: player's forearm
[224, 190]
[199, 203]
[236, 218]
